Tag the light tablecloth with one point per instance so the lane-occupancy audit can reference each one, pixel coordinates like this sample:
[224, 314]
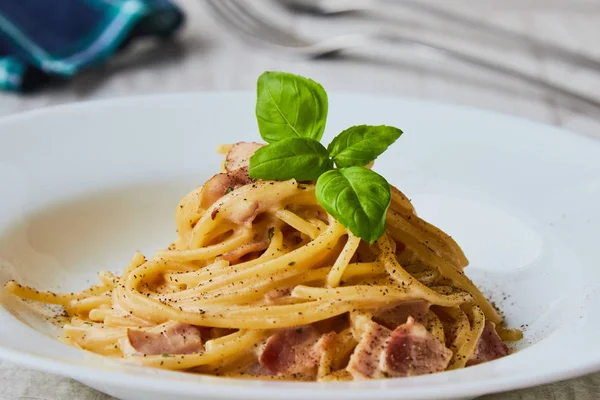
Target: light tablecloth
[208, 58]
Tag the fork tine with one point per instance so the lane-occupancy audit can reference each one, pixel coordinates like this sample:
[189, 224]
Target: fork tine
[248, 22]
[254, 16]
[232, 8]
[223, 13]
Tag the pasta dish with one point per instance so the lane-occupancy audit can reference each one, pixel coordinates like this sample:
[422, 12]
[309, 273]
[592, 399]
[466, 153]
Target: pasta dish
[263, 282]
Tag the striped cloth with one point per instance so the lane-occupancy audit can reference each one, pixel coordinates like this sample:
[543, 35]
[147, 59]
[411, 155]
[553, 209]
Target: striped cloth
[42, 40]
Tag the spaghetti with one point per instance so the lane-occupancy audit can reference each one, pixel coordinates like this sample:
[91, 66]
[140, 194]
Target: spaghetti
[262, 282]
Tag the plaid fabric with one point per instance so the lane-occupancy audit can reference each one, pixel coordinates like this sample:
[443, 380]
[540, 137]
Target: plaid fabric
[45, 39]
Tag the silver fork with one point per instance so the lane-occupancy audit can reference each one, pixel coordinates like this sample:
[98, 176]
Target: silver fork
[253, 26]
[382, 9]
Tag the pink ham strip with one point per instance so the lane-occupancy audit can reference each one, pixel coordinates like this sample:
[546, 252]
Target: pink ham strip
[294, 351]
[179, 338]
[399, 314]
[412, 350]
[409, 350]
[237, 163]
[239, 155]
[364, 361]
[220, 184]
[489, 346]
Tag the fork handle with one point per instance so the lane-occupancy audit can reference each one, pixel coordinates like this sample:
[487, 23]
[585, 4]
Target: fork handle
[489, 65]
[551, 49]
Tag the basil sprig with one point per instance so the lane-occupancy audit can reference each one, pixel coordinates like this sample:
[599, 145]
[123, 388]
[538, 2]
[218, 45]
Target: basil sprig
[291, 112]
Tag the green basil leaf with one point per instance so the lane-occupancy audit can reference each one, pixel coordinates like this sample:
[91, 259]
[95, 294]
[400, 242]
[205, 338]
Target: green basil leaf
[297, 158]
[289, 105]
[359, 145]
[356, 197]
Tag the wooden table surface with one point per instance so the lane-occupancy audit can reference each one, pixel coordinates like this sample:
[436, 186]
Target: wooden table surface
[207, 57]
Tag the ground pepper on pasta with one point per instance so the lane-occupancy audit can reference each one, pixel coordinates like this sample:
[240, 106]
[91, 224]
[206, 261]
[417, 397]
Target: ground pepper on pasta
[262, 283]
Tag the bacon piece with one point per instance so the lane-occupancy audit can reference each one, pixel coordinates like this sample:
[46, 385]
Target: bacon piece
[399, 314]
[221, 184]
[489, 346]
[409, 350]
[364, 362]
[239, 155]
[412, 350]
[236, 166]
[255, 369]
[293, 351]
[324, 342]
[178, 338]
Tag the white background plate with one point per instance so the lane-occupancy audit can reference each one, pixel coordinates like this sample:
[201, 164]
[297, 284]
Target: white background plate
[82, 187]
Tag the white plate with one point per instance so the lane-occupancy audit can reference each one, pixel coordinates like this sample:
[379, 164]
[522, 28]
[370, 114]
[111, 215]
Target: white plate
[84, 186]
